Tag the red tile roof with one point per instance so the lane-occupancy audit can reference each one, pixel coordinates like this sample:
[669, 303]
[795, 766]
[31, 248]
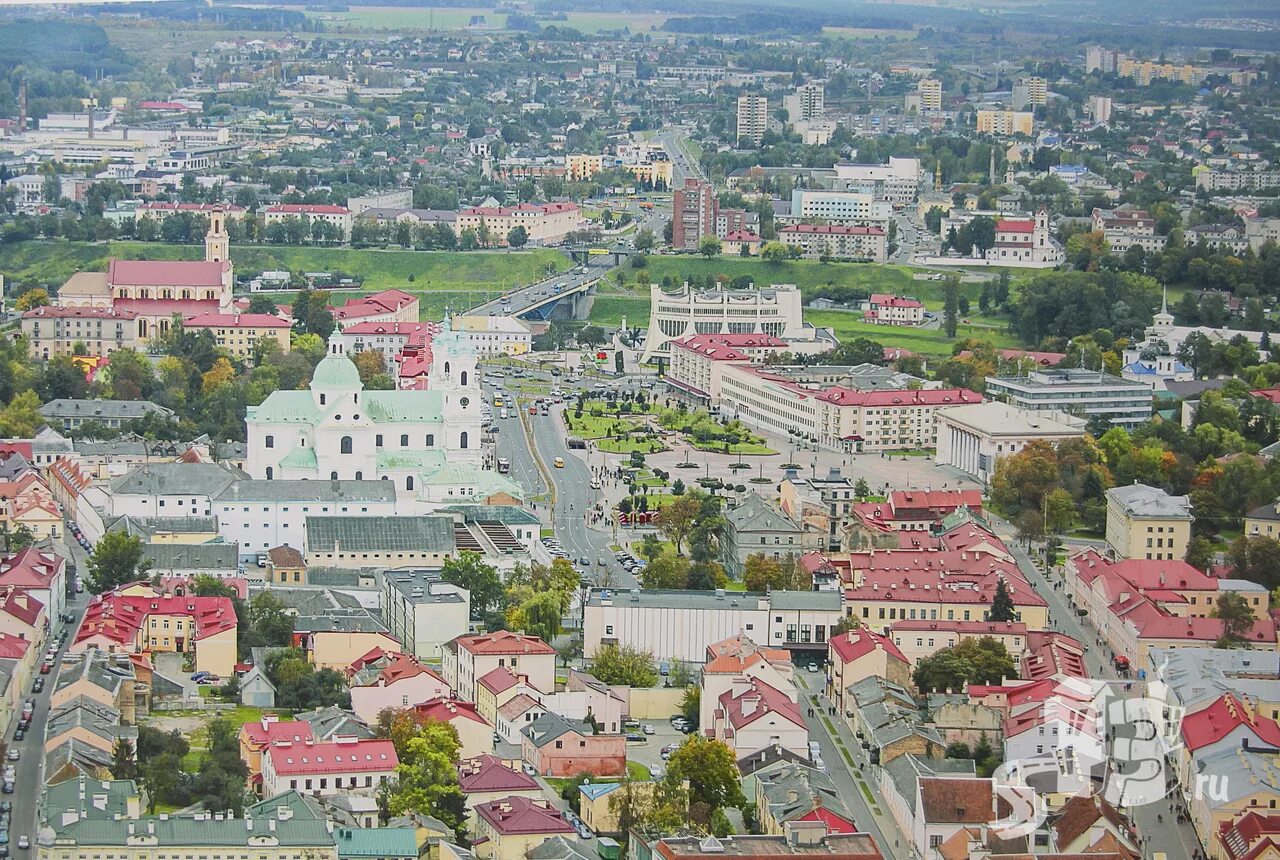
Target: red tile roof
[503, 642]
[165, 273]
[13, 647]
[167, 307]
[498, 680]
[487, 773]
[1242, 838]
[860, 642]
[265, 732]
[1212, 724]
[373, 305]
[957, 800]
[890, 301]
[1015, 225]
[236, 321]
[31, 568]
[162, 206]
[447, 710]
[513, 816]
[756, 701]
[875, 399]
[119, 618]
[343, 756]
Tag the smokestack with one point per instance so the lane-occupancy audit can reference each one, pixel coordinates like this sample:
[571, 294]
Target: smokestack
[91, 122]
[22, 106]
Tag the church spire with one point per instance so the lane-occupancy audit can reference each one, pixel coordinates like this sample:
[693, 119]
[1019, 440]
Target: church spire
[217, 245]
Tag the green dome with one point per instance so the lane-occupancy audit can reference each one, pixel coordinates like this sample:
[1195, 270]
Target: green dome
[336, 371]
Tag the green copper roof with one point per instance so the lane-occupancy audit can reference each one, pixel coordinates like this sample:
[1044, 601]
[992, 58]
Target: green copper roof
[378, 842]
[285, 406]
[300, 458]
[336, 371]
[393, 406]
[483, 483]
[420, 460]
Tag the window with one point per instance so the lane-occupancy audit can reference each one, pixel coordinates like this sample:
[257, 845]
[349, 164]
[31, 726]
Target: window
[322, 400]
[404, 440]
[462, 439]
[408, 483]
[431, 440]
[333, 476]
[360, 477]
[271, 473]
[270, 442]
[346, 444]
[377, 441]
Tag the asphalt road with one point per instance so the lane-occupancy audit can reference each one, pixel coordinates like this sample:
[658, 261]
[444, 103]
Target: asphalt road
[30, 767]
[574, 498]
[519, 301]
[683, 165]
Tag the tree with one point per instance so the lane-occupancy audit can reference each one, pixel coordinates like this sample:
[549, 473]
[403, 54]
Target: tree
[222, 373]
[35, 298]
[861, 489]
[709, 246]
[677, 519]
[711, 770]
[260, 303]
[761, 573]
[982, 660]
[265, 623]
[1059, 511]
[116, 560]
[124, 764]
[846, 624]
[21, 418]
[1237, 619]
[951, 305]
[691, 704]
[427, 775]
[160, 776]
[370, 363]
[470, 571]
[665, 571]
[775, 252]
[624, 664]
[592, 335]
[1200, 553]
[1002, 604]
[645, 240]
[618, 362]
[517, 237]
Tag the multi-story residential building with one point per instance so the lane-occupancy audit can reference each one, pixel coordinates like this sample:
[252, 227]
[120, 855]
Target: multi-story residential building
[795, 799]
[41, 575]
[930, 92]
[392, 339]
[205, 626]
[241, 334]
[98, 331]
[343, 766]
[1146, 71]
[852, 208]
[484, 778]
[696, 361]
[1099, 59]
[1260, 231]
[776, 311]
[752, 716]
[1146, 522]
[847, 846]
[391, 198]
[1005, 123]
[918, 639]
[466, 659]
[1237, 178]
[581, 166]
[1125, 227]
[1100, 108]
[256, 737]
[383, 680]
[422, 611]
[543, 223]
[557, 747]
[757, 528]
[974, 438]
[338, 217]
[387, 306]
[1076, 391]
[740, 657]
[159, 210]
[859, 654]
[693, 214]
[66, 414]
[1222, 237]
[837, 240]
[753, 118]
[824, 507]
[884, 309]
[496, 335]
[475, 733]
[1030, 92]
[806, 103]
[513, 827]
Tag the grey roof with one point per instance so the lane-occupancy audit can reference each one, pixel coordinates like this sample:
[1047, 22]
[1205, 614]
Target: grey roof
[177, 479]
[381, 534]
[422, 586]
[98, 668]
[757, 515]
[197, 556]
[315, 601]
[92, 716]
[548, 727]
[660, 599]
[906, 770]
[1143, 501]
[88, 760]
[335, 576]
[872, 689]
[306, 491]
[147, 527]
[557, 848]
[351, 621]
[98, 410]
[1200, 675]
[505, 514]
[828, 601]
[330, 722]
[1269, 511]
[794, 790]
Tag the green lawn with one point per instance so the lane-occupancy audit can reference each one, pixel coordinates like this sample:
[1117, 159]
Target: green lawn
[52, 263]
[609, 311]
[637, 771]
[930, 342]
[598, 427]
[629, 446]
[747, 448]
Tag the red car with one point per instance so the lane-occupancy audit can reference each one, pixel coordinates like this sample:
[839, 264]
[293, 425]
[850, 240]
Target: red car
[46, 668]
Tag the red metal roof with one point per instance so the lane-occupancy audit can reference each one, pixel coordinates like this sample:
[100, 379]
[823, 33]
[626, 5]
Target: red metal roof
[166, 273]
[1212, 724]
[503, 642]
[860, 642]
[520, 816]
[343, 756]
[487, 773]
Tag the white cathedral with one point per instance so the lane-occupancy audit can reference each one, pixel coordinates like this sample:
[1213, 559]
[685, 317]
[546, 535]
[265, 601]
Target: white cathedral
[337, 430]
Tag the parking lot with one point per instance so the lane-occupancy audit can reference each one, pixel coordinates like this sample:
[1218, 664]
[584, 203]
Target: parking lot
[649, 751]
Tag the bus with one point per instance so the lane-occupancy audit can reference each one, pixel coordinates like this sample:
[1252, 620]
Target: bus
[504, 465]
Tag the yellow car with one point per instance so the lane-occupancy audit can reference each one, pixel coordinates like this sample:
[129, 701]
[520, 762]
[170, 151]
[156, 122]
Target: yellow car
[559, 462]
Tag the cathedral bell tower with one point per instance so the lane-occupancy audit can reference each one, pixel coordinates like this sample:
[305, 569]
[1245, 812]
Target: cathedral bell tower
[217, 247]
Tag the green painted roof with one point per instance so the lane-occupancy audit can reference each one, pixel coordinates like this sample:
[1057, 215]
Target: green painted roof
[392, 458]
[381, 534]
[285, 406]
[300, 458]
[78, 794]
[511, 515]
[484, 482]
[336, 371]
[376, 842]
[394, 406]
[188, 831]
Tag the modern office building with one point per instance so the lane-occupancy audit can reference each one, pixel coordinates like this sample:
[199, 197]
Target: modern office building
[861, 208]
[974, 438]
[1076, 391]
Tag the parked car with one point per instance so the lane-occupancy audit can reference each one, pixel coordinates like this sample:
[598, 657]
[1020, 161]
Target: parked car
[529, 769]
[24, 842]
[648, 729]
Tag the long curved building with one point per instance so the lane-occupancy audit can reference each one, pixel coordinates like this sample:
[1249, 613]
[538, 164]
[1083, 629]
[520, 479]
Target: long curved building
[775, 311]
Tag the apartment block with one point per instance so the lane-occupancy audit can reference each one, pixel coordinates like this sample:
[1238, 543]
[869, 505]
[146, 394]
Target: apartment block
[753, 118]
[1005, 123]
[694, 210]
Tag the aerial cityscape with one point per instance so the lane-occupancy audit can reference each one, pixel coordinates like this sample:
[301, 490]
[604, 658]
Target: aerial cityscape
[639, 430]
